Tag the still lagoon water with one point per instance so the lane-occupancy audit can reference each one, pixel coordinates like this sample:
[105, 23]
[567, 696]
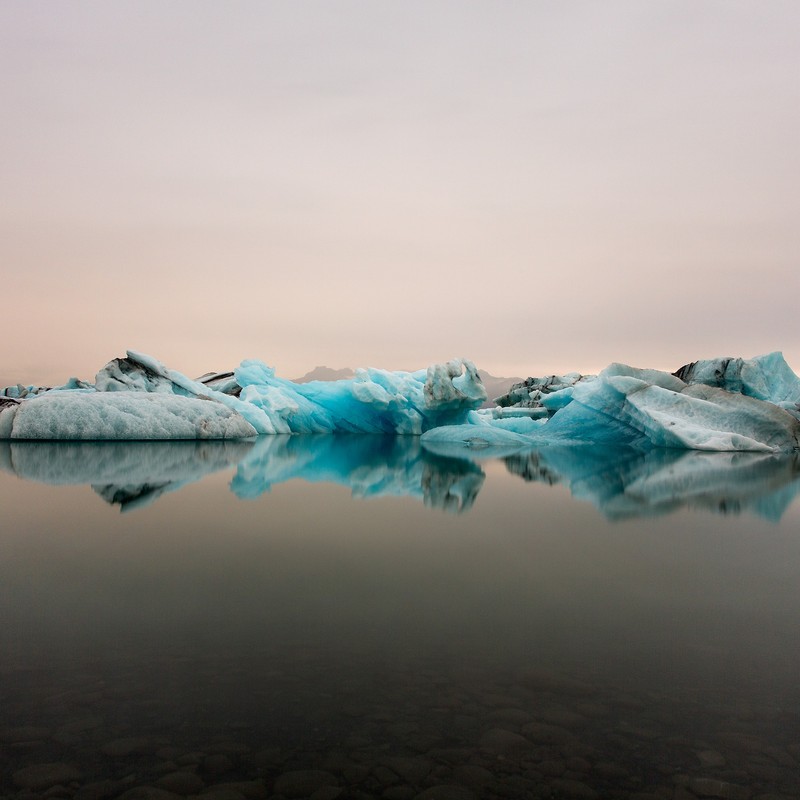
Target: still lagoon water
[356, 617]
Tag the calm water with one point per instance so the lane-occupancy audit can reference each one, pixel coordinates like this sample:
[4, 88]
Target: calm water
[305, 613]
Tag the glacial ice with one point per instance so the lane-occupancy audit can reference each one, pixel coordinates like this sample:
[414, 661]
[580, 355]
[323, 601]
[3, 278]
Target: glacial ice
[645, 408]
[375, 401]
[129, 415]
[139, 398]
[720, 404]
[766, 377]
[548, 393]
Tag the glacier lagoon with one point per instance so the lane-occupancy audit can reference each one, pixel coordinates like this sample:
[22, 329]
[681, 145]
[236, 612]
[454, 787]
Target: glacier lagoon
[298, 614]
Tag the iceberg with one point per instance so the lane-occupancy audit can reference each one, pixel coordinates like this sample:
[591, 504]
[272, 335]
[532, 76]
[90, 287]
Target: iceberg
[766, 377]
[374, 401]
[720, 404]
[548, 393]
[85, 415]
[138, 397]
[626, 406]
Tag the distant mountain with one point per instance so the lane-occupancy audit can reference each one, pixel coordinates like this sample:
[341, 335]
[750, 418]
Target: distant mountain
[326, 374]
[495, 386]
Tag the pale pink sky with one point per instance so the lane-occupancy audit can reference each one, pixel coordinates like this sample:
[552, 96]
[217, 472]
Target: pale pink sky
[539, 186]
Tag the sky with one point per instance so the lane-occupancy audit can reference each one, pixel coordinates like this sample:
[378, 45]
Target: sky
[538, 186]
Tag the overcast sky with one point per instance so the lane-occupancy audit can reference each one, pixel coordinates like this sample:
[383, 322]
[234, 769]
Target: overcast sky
[538, 186]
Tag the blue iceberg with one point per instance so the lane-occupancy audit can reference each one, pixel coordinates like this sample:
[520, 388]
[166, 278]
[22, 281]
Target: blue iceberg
[720, 404]
[138, 397]
[626, 406]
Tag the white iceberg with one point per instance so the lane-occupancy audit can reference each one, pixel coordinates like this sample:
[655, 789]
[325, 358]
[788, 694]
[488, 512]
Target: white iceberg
[99, 416]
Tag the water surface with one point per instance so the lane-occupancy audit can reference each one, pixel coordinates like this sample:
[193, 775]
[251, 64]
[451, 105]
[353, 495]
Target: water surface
[552, 623]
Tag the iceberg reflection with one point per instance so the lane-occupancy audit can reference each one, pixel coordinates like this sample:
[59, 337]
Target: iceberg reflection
[372, 466]
[129, 474]
[134, 474]
[620, 482]
[624, 483]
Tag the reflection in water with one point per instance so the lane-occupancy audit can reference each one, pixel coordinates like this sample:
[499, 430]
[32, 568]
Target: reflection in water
[308, 644]
[372, 466]
[620, 482]
[624, 483]
[129, 474]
